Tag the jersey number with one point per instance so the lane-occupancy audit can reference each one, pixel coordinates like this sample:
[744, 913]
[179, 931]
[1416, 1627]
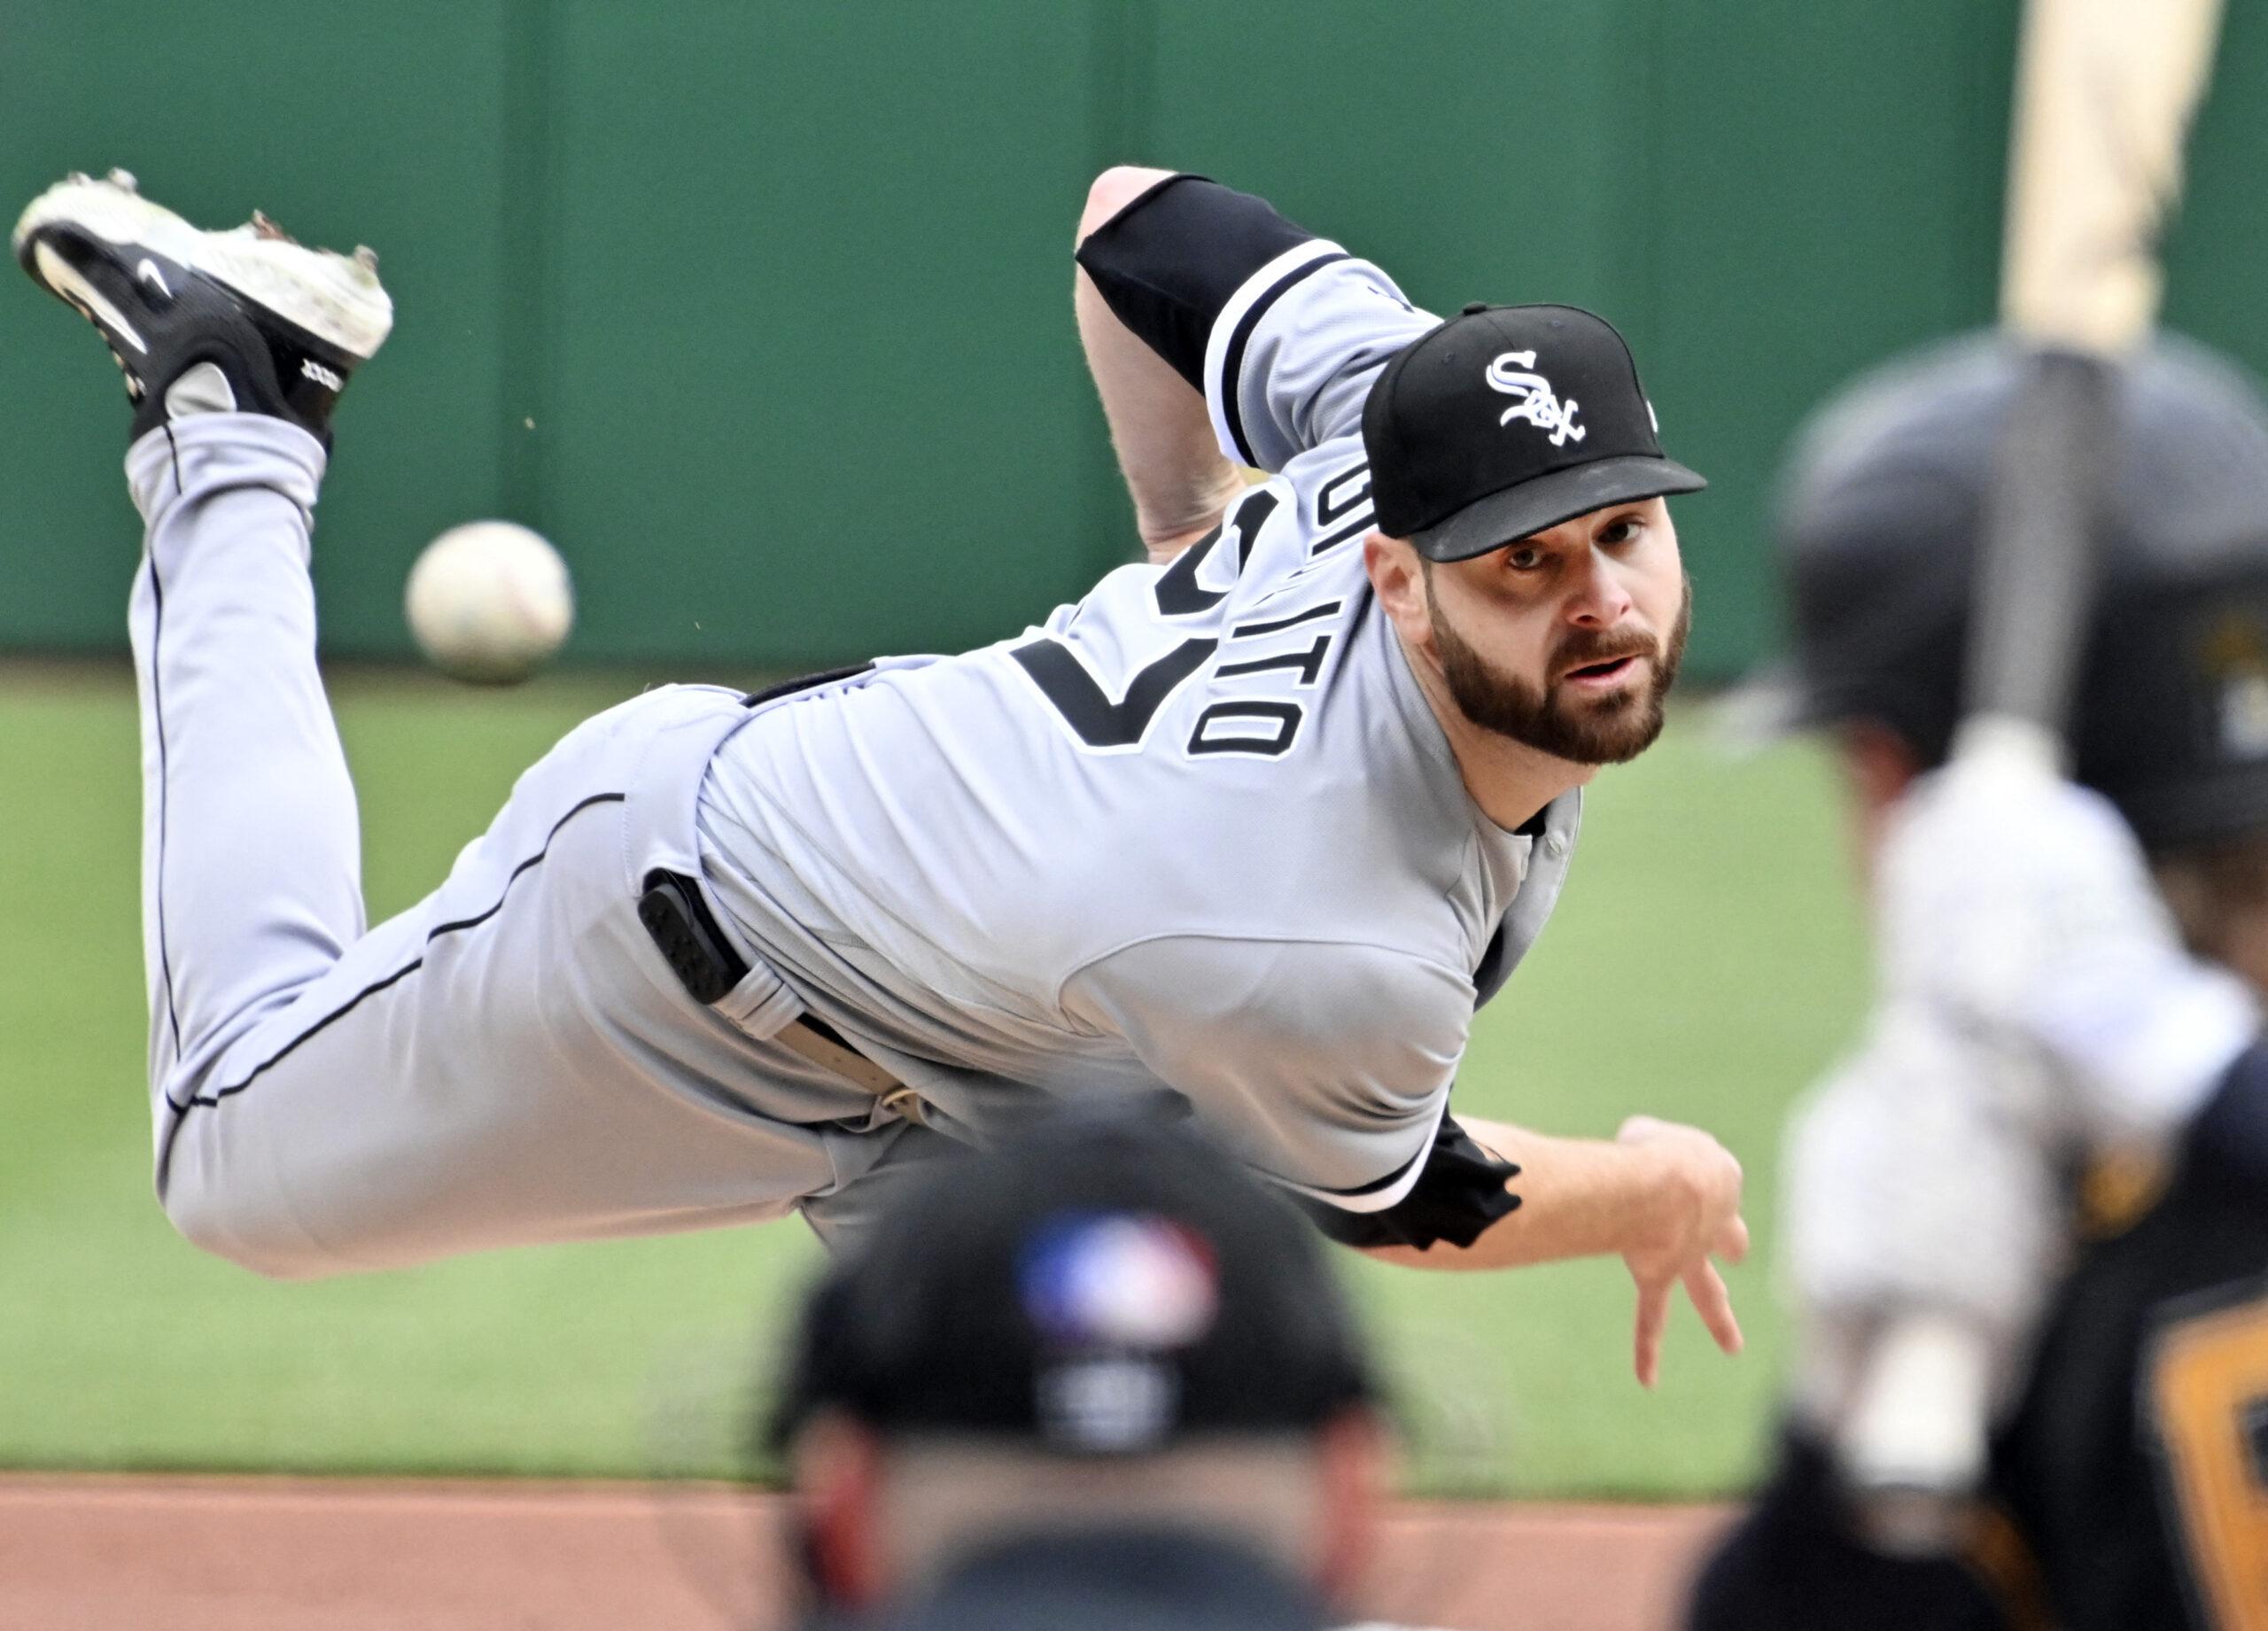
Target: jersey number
[2207, 1389]
[1071, 687]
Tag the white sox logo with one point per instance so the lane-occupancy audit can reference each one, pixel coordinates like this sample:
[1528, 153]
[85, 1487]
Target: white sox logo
[1534, 398]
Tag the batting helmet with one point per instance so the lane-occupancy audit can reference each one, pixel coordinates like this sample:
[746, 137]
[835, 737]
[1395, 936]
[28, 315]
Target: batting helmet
[1882, 508]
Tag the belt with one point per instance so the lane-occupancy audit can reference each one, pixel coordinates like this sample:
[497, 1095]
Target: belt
[686, 934]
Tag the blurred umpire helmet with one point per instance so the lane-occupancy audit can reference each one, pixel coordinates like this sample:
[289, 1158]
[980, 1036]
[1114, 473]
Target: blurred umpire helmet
[1880, 515]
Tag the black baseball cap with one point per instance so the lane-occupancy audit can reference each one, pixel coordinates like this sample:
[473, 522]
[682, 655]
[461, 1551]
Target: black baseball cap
[1101, 1285]
[1506, 420]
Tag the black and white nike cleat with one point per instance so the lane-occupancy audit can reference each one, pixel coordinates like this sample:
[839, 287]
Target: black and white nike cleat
[243, 321]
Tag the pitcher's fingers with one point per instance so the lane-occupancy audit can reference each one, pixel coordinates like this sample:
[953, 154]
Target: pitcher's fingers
[1714, 1304]
[1653, 1315]
[1732, 1240]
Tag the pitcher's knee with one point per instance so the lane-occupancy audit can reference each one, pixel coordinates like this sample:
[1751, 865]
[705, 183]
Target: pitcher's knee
[252, 1232]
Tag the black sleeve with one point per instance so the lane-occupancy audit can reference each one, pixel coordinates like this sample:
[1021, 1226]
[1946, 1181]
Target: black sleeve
[2229, 1136]
[1168, 262]
[1460, 1193]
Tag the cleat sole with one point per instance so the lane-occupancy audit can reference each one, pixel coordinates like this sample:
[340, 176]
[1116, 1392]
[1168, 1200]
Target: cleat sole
[335, 298]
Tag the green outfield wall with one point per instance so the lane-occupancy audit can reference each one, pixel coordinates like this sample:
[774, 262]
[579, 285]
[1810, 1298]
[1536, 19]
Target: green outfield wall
[761, 311]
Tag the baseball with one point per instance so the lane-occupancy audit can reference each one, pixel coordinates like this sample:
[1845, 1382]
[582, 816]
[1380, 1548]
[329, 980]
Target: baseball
[489, 601]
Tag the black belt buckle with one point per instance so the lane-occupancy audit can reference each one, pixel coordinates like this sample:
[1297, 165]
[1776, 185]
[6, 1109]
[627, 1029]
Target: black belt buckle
[687, 937]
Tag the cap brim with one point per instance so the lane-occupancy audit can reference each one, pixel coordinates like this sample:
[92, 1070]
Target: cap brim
[1546, 501]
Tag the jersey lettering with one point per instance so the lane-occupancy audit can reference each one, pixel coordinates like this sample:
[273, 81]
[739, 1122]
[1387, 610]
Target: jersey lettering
[1228, 727]
[1106, 726]
[1276, 625]
[1343, 509]
[1307, 663]
[1249, 726]
[1341, 496]
[1179, 592]
[2206, 1388]
[1179, 595]
[1250, 515]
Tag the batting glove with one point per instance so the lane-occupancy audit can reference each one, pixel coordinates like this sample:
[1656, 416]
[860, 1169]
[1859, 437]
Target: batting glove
[2018, 906]
[1907, 1186]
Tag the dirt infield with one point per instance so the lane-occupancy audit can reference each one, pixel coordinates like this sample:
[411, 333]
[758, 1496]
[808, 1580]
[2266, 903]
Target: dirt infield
[107, 1554]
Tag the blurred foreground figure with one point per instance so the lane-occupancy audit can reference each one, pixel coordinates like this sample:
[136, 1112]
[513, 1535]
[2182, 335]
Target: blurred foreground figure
[1098, 1378]
[2056, 1129]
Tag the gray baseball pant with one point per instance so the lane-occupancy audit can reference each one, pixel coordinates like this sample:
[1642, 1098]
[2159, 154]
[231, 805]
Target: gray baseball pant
[511, 1060]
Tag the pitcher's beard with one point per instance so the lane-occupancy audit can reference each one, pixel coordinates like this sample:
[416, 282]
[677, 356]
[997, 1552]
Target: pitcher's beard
[1555, 719]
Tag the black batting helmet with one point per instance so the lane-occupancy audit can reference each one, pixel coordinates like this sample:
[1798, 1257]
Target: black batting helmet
[1880, 514]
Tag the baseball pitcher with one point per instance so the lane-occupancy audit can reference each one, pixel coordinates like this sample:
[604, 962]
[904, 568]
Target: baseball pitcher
[1258, 823]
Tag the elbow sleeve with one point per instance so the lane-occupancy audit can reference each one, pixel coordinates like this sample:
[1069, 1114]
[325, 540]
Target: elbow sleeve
[1168, 263]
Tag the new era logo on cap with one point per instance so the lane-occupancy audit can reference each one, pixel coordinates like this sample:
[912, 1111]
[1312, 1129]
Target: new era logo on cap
[1459, 470]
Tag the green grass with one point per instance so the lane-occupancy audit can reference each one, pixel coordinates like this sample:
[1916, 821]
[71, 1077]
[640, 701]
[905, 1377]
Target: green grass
[1705, 961]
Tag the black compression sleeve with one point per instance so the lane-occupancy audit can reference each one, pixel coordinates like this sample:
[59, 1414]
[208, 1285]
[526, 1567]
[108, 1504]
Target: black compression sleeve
[2230, 1135]
[1168, 262]
[1460, 1193]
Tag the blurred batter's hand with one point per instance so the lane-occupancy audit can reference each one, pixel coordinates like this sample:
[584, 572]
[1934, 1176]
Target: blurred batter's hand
[1907, 1184]
[2019, 907]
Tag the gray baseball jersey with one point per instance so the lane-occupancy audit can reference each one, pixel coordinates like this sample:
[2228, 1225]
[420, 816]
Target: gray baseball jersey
[1200, 829]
